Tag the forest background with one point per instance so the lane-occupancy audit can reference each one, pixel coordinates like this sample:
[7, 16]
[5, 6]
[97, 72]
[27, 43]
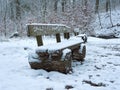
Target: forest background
[15, 14]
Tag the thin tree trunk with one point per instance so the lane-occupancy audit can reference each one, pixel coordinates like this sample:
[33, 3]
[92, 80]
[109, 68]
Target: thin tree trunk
[55, 5]
[44, 11]
[107, 5]
[74, 3]
[97, 11]
[96, 6]
[63, 3]
[4, 19]
[110, 14]
[99, 20]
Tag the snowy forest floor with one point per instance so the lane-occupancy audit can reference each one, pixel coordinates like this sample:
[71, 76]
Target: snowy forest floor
[99, 71]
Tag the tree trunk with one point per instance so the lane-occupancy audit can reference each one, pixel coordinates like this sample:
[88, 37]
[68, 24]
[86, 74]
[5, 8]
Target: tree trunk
[107, 5]
[99, 20]
[63, 3]
[96, 6]
[44, 8]
[55, 5]
[74, 3]
[18, 10]
[110, 13]
[5, 19]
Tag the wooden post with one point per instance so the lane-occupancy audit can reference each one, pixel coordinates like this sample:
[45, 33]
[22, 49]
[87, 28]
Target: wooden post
[39, 40]
[58, 37]
[29, 29]
[67, 35]
[76, 33]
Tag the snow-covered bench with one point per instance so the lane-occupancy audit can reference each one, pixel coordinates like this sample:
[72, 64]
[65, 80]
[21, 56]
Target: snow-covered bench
[57, 56]
[62, 45]
[38, 29]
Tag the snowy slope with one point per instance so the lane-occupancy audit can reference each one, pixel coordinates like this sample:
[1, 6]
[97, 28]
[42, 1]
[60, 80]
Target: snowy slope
[102, 65]
[106, 24]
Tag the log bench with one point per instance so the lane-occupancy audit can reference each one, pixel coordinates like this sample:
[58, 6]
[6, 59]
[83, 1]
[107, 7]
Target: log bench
[57, 56]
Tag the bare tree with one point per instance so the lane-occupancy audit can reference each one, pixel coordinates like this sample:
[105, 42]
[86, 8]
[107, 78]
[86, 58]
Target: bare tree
[96, 6]
[5, 17]
[97, 11]
[16, 13]
[55, 5]
[63, 3]
[110, 13]
[107, 5]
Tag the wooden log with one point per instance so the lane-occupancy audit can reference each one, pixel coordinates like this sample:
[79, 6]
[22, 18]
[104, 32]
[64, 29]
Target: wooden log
[39, 40]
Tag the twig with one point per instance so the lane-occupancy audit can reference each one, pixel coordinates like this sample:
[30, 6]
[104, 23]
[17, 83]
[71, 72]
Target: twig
[94, 84]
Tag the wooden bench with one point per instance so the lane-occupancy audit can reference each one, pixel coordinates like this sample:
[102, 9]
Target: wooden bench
[38, 29]
[58, 56]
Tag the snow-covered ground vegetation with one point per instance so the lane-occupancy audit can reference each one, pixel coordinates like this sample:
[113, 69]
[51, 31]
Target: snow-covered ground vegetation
[99, 71]
[107, 25]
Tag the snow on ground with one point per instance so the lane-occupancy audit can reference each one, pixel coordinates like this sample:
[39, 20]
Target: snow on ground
[101, 65]
[106, 24]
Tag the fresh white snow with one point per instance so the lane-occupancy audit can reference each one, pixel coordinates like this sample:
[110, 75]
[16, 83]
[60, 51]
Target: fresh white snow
[65, 51]
[106, 24]
[43, 24]
[101, 65]
[64, 44]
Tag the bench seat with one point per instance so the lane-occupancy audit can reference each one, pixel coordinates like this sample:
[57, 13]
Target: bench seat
[61, 45]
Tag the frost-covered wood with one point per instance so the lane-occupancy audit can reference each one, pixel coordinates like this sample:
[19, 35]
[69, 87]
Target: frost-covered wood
[35, 29]
[71, 43]
[58, 56]
[38, 29]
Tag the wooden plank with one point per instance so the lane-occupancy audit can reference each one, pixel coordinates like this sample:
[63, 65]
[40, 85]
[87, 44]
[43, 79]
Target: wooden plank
[67, 35]
[58, 37]
[29, 31]
[39, 40]
[42, 29]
